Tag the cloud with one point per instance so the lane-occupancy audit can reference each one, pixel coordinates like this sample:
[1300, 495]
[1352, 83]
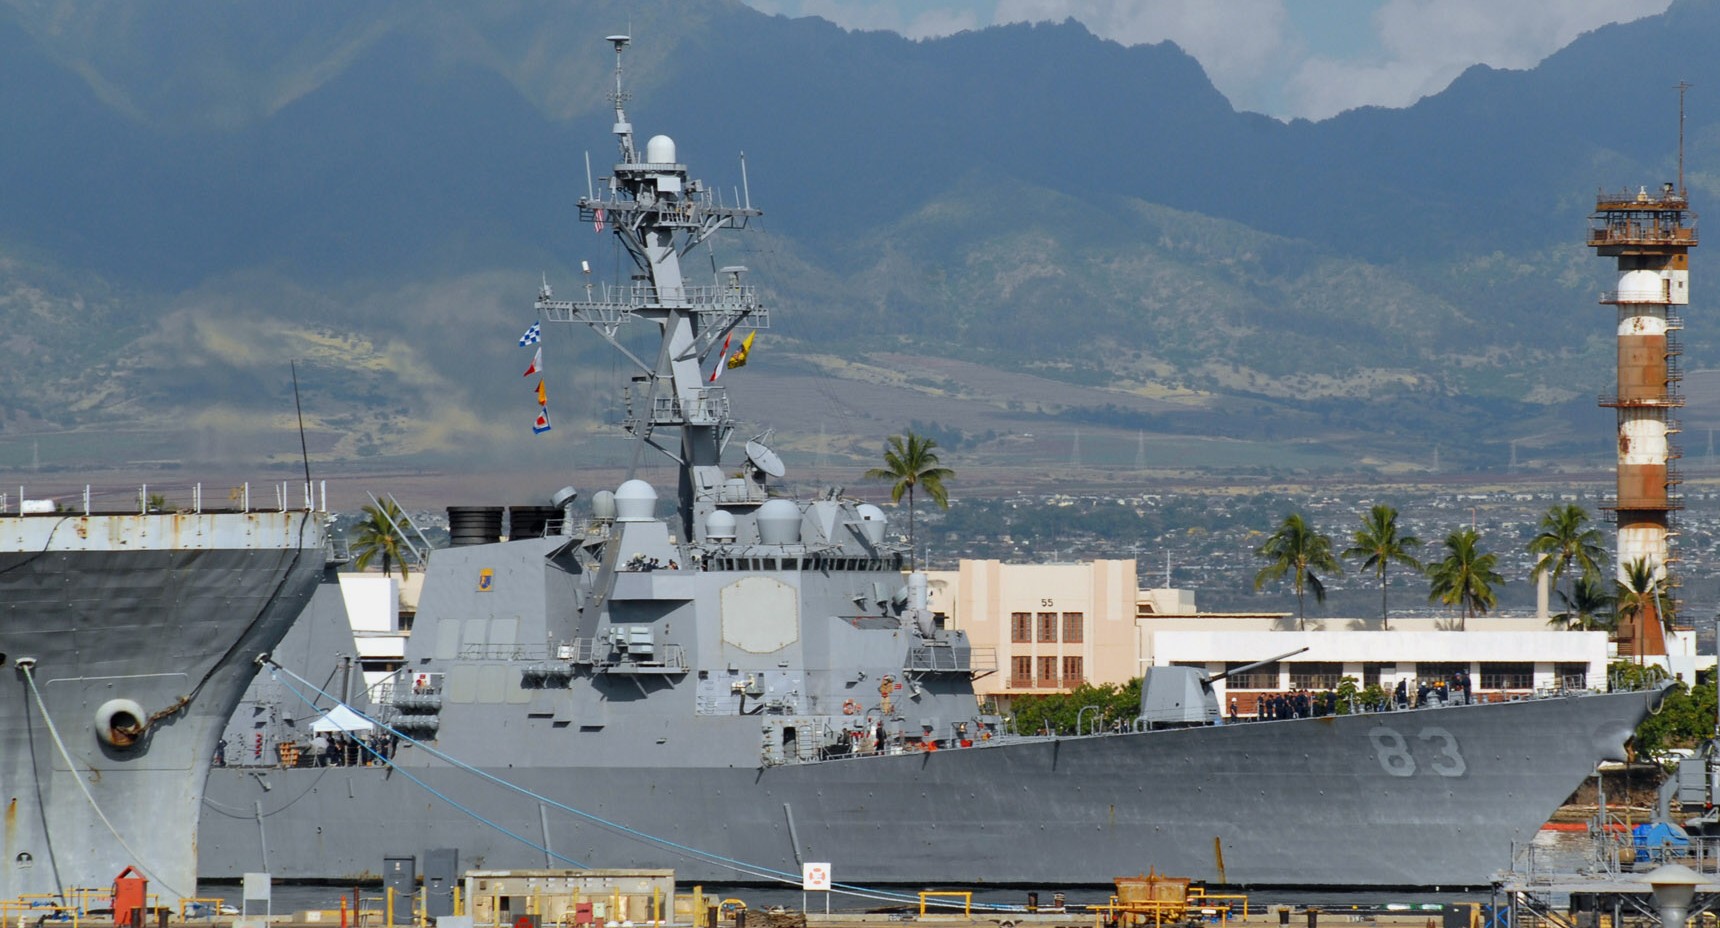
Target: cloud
[905, 17]
[1240, 43]
[1424, 44]
[1252, 49]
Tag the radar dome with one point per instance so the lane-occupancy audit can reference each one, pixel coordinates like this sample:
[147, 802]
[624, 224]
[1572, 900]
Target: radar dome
[720, 526]
[603, 506]
[635, 501]
[1639, 286]
[564, 497]
[660, 150]
[779, 523]
[872, 522]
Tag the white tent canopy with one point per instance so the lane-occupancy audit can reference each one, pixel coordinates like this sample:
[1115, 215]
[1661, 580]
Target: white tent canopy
[340, 718]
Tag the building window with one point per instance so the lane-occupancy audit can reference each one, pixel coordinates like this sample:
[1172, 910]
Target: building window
[1073, 673]
[1572, 676]
[1073, 633]
[1371, 674]
[1021, 672]
[1020, 627]
[1315, 675]
[1048, 627]
[1048, 671]
[1432, 672]
[1503, 676]
[1260, 678]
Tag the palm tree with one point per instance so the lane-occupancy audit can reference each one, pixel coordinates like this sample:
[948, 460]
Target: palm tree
[1466, 576]
[377, 534]
[1567, 540]
[1378, 545]
[1296, 549]
[1588, 607]
[1640, 598]
[911, 462]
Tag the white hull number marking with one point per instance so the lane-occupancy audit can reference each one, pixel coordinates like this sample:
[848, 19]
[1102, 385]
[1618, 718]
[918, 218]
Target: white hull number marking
[1396, 758]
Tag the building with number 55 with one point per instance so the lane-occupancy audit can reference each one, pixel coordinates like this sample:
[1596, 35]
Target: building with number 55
[1049, 628]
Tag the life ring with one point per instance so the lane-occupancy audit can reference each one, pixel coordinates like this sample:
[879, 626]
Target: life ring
[850, 707]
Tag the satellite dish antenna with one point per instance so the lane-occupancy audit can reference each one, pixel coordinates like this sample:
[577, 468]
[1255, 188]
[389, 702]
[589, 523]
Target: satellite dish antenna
[761, 457]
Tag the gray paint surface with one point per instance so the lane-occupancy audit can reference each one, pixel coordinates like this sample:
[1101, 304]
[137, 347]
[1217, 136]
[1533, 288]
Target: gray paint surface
[154, 608]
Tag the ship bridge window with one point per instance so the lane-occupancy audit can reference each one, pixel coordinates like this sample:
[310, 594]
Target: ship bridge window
[1260, 678]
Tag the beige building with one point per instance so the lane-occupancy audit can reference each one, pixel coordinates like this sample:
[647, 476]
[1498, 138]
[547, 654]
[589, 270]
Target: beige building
[1052, 627]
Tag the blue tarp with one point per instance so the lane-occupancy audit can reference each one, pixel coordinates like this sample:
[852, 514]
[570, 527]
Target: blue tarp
[1653, 841]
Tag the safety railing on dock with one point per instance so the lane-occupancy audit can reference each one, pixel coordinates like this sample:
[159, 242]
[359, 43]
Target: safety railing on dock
[78, 905]
[202, 908]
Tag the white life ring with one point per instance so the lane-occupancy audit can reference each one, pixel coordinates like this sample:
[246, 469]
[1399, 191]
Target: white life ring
[850, 707]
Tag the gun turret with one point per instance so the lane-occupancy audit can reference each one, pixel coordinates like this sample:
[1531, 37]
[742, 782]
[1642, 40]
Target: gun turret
[1183, 695]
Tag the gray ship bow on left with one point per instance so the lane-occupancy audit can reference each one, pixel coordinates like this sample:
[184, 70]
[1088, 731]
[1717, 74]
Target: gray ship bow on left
[127, 641]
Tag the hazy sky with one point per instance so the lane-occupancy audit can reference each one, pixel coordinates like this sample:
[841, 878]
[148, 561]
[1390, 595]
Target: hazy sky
[1286, 58]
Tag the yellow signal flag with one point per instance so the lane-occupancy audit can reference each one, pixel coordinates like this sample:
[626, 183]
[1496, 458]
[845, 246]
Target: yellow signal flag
[739, 358]
[543, 397]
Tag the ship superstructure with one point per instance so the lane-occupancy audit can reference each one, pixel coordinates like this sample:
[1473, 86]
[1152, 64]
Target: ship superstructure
[129, 637]
[750, 682]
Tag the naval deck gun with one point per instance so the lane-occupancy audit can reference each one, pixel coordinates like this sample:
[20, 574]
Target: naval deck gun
[1183, 695]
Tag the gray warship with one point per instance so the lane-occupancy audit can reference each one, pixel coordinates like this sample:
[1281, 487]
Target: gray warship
[750, 683]
[129, 638]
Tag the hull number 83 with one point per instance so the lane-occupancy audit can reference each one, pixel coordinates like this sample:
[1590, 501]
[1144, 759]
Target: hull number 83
[1436, 747]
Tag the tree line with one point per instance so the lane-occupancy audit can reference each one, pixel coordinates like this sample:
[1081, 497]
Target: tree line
[1567, 549]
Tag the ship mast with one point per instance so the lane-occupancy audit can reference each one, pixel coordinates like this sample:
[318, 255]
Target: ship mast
[659, 215]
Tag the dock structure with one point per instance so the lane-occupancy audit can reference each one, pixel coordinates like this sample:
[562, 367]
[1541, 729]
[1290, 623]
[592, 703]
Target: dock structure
[1622, 877]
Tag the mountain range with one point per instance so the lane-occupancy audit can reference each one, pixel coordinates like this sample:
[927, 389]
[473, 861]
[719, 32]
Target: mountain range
[1055, 251]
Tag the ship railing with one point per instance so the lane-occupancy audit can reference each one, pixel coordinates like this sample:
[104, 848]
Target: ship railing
[708, 404]
[940, 657]
[159, 498]
[503, 652]
[577, 651]
[717, 304]
[601, 654]
[663, 659]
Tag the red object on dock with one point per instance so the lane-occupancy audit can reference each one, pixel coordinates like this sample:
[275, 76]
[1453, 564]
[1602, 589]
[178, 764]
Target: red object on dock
[130, 895]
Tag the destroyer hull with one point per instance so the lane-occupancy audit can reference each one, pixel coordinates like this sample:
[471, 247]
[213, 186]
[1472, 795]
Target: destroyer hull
[164, 611]
[1418, 798]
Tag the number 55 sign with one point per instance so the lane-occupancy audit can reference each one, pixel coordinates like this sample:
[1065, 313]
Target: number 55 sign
[815, 878]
